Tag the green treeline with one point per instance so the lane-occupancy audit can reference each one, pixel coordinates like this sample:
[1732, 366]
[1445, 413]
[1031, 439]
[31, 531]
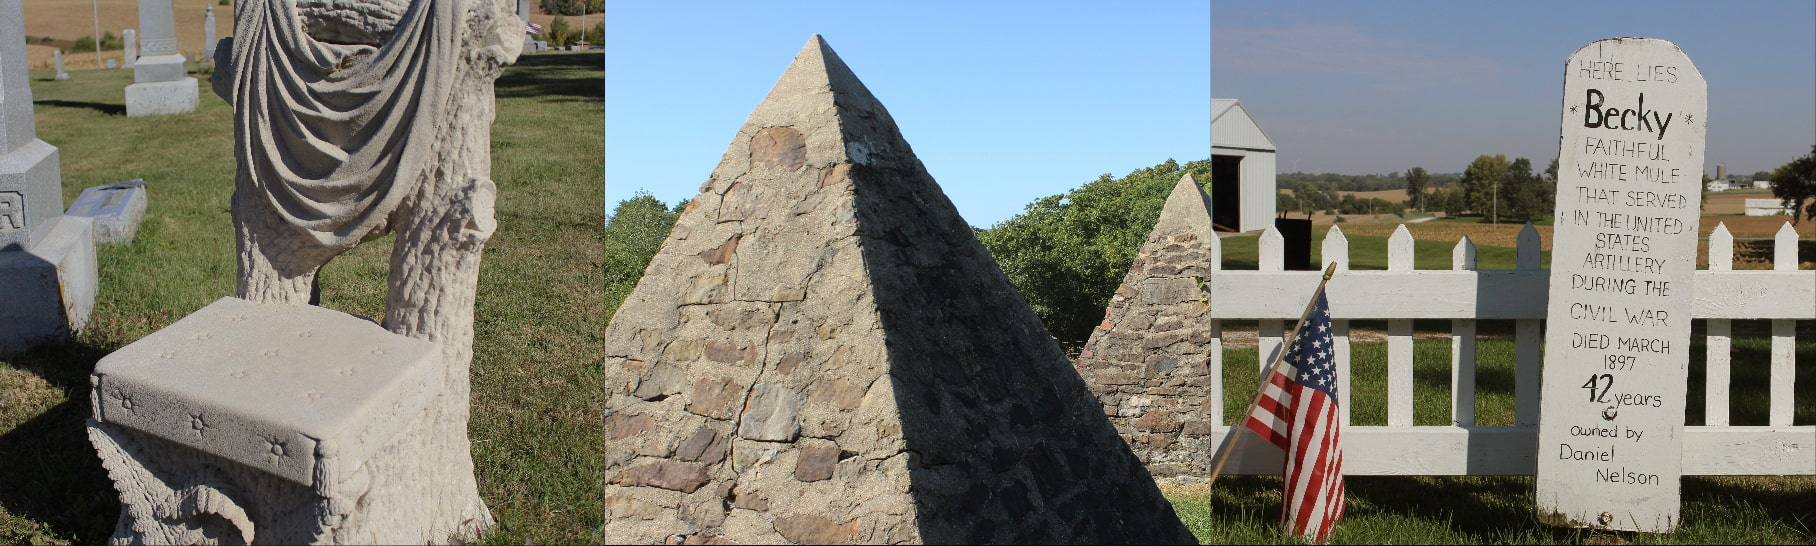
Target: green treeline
[1491, 187]
[572, 7]
[1065, 253]
[1359, 182]
[109, 42]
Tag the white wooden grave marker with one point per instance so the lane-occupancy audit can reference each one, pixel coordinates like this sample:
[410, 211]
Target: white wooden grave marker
[1617, 343]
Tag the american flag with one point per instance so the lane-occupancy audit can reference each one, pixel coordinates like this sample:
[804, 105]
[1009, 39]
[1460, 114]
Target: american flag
[532, 28]
[1297, 410]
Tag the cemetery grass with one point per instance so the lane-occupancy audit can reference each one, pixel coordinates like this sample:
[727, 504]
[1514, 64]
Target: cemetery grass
[537, 387]
[1498, 509]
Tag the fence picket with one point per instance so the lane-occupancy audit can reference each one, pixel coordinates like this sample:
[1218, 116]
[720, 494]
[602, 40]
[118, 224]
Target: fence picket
[1463, 347]
[1216, 368]
[1717, 342]
[1216, 253]
[1784, 336]
[1399, 339]
[1528, 337]
[1336, 250]
[1269, 340]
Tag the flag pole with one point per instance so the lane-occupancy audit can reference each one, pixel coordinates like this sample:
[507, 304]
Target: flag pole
[1230, 445]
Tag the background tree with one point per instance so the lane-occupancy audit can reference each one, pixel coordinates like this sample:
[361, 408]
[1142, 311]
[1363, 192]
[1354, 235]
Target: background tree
[1795, 184]
[1067, 253]
[633, 233]
[572, 7]
[1526, 196]
[558, 32]
[1415, 186]
[1551, 172]
[596, 35]
[1480, 183]
[1762, 175]
[1450, 200]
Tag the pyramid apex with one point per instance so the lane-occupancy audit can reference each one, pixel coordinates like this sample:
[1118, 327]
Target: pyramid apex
[1187, 209]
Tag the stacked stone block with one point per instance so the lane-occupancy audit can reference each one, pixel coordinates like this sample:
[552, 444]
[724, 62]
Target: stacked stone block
[823, 353]
[1149, 361]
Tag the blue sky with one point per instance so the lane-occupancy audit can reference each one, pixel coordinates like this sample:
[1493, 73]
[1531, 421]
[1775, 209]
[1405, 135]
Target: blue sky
[1376, 87]
[1003, 101]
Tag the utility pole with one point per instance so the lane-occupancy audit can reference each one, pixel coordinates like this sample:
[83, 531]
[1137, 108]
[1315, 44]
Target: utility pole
[96, 6]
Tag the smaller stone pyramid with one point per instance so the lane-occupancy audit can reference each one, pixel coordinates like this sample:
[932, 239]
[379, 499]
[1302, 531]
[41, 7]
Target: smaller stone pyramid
[823, 353]
[1149, 362]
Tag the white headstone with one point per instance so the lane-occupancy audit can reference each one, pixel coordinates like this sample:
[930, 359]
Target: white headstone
[112, 64]
[131, 38]
[161, 82]
[115, 209]
[1617, 342]
[61, 75]
[47, 260]
[208, 35]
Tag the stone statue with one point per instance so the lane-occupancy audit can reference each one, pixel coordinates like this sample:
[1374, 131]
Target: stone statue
[352, 119]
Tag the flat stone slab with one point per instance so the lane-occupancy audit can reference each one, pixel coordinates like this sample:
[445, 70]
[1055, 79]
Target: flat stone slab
[292, 390]
[116, 209]
[160, 98]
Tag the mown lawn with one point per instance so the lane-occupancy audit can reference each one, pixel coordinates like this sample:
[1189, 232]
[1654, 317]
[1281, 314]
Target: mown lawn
[537, 390]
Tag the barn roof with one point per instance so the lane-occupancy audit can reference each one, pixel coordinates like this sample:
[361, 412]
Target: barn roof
[1232, 127]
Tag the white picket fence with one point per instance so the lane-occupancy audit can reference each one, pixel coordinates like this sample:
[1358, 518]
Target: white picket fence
[1464, 295]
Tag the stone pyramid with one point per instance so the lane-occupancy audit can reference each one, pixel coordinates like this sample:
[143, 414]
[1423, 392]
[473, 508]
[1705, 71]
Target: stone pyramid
[823, 353]
[1149, 362]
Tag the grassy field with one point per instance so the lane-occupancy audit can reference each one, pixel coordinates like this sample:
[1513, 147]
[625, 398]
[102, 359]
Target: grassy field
[537, 390]
[1498, 509]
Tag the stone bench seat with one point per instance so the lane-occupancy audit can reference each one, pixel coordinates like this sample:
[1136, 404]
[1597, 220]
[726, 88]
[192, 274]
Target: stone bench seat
[296, 391]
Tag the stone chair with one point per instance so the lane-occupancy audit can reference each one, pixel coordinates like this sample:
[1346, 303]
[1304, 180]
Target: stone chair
[278, 423]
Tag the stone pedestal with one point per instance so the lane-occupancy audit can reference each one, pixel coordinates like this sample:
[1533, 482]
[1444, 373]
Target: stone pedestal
[115, 208]
[47, 262]
[161, 98]
[268, 423]
[160, 76]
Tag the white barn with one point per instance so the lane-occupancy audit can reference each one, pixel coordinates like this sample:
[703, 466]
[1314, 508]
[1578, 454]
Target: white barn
[1242, 169]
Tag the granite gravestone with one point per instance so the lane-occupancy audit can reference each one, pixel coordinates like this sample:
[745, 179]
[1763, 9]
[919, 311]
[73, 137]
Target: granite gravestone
[1149, 362]
[1617, 337]
[523, 12]
[61, 75]
[47, 260]
[261, 418]
[161, 83]
[824, 353]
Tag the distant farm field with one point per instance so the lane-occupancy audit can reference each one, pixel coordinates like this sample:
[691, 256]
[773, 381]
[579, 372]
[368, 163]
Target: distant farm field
[62, 21]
